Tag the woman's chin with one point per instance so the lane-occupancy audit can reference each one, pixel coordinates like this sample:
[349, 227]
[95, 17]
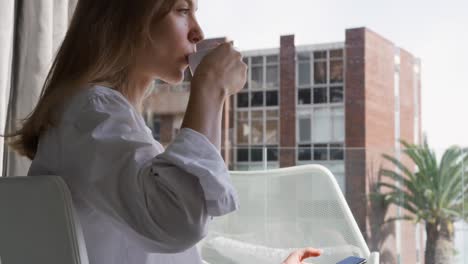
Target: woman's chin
[175, 79]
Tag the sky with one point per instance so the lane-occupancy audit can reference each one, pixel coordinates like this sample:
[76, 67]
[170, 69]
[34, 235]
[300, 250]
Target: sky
[434, 31]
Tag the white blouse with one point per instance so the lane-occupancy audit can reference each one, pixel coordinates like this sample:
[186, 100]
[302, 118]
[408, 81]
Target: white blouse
[137, 203]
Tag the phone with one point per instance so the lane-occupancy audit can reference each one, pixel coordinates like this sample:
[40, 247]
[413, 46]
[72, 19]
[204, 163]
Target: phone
[352, 260]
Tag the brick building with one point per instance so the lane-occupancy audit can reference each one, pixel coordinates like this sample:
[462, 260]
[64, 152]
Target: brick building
[337, 104]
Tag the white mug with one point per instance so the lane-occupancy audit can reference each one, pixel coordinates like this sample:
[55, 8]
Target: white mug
[195, 58]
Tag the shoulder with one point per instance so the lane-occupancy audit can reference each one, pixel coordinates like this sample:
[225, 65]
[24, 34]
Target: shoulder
[98, 99]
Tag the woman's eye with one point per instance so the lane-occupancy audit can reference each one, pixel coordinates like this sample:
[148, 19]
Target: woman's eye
[184, 11]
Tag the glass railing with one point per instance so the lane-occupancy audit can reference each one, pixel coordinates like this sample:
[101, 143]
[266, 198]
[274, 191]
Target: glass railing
[280, 212]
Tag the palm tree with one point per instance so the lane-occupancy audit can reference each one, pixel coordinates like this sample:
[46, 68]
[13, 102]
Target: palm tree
[436, 194]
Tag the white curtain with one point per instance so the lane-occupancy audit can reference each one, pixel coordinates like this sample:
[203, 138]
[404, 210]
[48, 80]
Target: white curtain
[30, 33]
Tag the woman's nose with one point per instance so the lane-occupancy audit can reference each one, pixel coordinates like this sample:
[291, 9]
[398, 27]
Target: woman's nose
[196, 34]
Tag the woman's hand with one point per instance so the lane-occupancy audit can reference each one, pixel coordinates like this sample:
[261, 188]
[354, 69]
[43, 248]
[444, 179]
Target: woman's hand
[222, 71]
[298, 256]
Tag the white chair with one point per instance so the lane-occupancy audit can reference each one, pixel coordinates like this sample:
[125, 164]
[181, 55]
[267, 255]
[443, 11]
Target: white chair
[282, 210]
[37, 222]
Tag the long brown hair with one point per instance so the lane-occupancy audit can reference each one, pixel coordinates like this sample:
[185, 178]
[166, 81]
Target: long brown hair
[98, 47]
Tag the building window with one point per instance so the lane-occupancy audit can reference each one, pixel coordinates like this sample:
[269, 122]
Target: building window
[336, 71]
[243, 99]
[272, 98]
[338, 124]
[304, 73]
[243, 132]
[320, 95]
[304, 152]
[272, 153]
[256, 153]
[321, 125]
[257, 132]
[242, 154]
[338, 53]
[272, 71]
[336, 151]
[320, 152]
[304, 129]
[336, 94]
[320, 72]
[303, 96]
[271, 133]
[320, 55]
[257, 72]
[257, 99]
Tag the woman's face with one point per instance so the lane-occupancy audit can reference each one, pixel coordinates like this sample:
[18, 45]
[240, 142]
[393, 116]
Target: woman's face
[175, 37]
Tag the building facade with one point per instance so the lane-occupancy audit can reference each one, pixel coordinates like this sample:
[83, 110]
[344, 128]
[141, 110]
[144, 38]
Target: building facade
[339, 104]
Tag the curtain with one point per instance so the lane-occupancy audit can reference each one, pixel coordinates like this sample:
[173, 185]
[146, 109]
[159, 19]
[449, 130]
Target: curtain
[30, 33]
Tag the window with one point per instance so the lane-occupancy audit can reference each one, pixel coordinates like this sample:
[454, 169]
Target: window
[257, 77]
[242, 154]
[272, 71]
[243, 132]
[320, 95]
[304, 129]
[336, 53]
[271, 98]
[243, 99]
[321, 125]
[256, 153]
[304, 152]
[338, 123]
[336, 152]
[257, 132]
[272, 153]
[336, 94]
[320, 152]
[303, 96]
[271, 133]
[320, 72]
[257, 72]
[320, 55]
[257, 99]
[304, 73]
[336, 71]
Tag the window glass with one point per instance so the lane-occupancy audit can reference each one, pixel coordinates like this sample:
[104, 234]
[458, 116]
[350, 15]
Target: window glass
[257, 99]
[257, 132]
[320, 95]
[304, 129]
[303, 96]
[304, 152]
[271, 98]
[320, 72]
[321, 125]
[243, 100]
[304, 73]
[320, 152]
[272, 76]
[242, 154]
[336, 71]
[336, 94]
[256, 153]
[257, 77]
[272, 135]
[243, 131]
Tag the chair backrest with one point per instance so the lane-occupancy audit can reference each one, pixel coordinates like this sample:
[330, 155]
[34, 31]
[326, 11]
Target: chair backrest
[38, 223]
[283, 209]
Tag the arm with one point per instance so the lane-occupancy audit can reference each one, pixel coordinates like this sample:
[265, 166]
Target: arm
[204, 113]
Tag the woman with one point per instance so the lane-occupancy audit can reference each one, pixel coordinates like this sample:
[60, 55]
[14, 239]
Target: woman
[137, 202]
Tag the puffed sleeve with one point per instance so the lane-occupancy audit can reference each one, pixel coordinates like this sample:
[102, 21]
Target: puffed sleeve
[164, 199]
